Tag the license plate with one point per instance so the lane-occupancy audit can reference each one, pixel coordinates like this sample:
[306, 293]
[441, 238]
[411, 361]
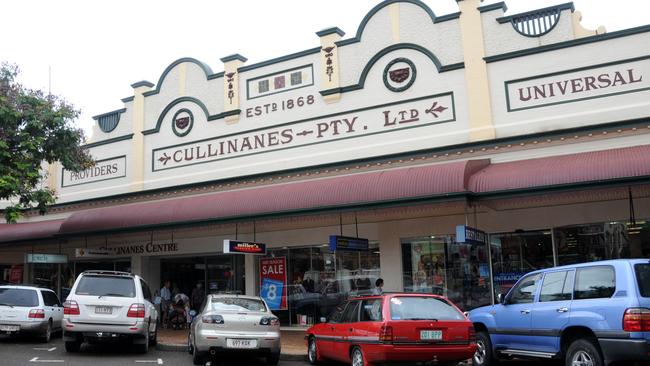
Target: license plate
[103, 310]
[241, 343]
[431, 335]
[9, 328]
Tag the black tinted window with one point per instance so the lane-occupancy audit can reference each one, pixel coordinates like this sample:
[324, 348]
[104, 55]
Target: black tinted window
[336, 315]
[106, 286]
[49, 298]
[18, 297]
[351, 313]
[145, 290]
[594, 283]
[371, 310]
[422, 308]
[643, 278]
[557, 286]
[524, 291]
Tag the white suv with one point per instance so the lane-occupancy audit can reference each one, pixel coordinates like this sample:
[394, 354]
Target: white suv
[28, 309]
[109, 306]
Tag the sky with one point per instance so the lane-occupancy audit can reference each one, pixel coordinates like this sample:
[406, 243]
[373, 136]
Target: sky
[97, 49]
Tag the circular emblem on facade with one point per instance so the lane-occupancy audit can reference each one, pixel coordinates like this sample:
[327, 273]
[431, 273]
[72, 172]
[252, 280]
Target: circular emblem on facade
[399, 74]
[182, 122]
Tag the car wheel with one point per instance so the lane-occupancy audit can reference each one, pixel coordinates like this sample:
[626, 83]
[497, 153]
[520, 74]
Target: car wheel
[190, 348]
[273, 359]
[583, 352]
[356, 358]
[143, 347]
[198, 358]
[483, 355]
[47, 335]
[312, 351]
[73, 346]
[153, 337]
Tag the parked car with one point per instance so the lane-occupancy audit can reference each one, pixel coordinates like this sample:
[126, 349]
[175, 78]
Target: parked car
[403, 327]
[585, 314]
[109, 306]
[30, 310]
[234, 323]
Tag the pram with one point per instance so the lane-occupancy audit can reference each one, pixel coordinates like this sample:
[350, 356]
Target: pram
[178, 312]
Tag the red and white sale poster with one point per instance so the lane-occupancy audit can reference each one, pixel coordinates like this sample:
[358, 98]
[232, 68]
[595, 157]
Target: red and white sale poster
[273, 282]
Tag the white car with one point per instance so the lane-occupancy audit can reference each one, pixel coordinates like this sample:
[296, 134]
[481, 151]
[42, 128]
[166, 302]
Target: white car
[109, 306]
[28, 309]
[234, 323]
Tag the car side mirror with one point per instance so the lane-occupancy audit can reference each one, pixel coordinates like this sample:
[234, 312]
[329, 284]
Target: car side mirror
[501, 299]
[323, 319]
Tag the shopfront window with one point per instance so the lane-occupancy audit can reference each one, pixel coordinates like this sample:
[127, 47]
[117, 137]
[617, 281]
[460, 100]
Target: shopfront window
[515, 254]
[439, 265]
[595, 242]
[319, 280]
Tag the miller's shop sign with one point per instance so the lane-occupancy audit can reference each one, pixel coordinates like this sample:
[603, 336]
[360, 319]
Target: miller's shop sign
[374, 120]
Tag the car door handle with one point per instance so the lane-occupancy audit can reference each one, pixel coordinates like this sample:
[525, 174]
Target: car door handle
[525, 311]
[350, 329]
[562, 310]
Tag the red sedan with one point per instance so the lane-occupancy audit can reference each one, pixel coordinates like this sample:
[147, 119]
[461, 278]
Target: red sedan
[393, 328]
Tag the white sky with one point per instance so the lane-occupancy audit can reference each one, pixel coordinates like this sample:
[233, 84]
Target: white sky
[97, 49]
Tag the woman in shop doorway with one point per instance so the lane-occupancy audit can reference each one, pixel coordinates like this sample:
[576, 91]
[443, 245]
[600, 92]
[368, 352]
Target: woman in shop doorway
[379, 287]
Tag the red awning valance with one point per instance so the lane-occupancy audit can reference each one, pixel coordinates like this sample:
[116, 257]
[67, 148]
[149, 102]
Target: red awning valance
[29, 230]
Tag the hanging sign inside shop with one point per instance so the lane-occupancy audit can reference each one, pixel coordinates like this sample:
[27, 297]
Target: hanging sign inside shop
[46, 258]
[273, 282]
[338, 242]
[470, 235]
[243, 247]
[16, 274]
[91, 253]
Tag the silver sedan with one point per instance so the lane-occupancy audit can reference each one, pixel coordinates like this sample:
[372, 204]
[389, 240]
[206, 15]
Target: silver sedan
[234, 323]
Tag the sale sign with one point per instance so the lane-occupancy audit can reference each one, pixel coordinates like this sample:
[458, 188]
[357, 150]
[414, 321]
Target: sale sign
[273, 282]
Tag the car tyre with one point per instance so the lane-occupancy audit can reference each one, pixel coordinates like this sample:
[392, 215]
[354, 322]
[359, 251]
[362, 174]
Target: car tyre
[73, 346]
[273, 359]
[484, 355]
[357, 358]
[144, 347]
[153, 337]
[198, 358]
[190, 347]
[584, 352]
[47, 335]
[312, 351]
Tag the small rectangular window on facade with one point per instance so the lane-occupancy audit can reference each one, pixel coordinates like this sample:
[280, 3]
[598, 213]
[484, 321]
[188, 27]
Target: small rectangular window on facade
[278, 82]
[296, 78]
[263, 86]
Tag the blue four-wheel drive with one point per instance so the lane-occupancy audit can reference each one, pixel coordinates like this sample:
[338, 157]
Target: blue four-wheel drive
[588, 314]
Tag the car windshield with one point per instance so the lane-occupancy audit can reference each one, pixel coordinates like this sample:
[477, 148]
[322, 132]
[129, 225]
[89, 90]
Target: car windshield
[643, 278]
[236, 304]
[422, 308]
[106, 286]
[18, 297]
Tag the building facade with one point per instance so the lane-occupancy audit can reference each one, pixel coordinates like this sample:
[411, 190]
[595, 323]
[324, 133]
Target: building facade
[526, 127]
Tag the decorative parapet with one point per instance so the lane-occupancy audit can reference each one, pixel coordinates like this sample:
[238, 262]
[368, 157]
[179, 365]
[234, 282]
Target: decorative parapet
[579, 31]
[108, 121]
[231, 86]
[330, 62]
[536, 23]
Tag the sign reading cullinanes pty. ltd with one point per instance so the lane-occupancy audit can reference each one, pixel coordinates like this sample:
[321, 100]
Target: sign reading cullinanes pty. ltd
[103, 170]
[375, 120]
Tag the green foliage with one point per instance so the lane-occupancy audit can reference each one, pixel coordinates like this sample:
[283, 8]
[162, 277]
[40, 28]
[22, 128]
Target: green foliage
[34, 128]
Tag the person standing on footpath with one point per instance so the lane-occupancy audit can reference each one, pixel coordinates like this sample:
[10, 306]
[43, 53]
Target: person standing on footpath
[379, 287]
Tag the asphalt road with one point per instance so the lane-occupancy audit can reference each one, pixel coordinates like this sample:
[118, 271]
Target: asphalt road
[26, 352]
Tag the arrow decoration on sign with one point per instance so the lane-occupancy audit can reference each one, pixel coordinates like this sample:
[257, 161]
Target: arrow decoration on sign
[435, 110]
[164, 159]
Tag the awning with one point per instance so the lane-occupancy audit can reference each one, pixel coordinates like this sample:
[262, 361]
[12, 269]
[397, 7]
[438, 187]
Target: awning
[588, 167]
[396, 185]
[29, 230]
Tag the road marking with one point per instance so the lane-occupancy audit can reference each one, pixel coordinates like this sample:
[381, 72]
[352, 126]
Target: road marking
[35, 359]
[45, 349]
[158, 361]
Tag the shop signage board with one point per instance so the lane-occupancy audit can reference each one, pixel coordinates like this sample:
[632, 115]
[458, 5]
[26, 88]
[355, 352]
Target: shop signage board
[46, 258]
[91, 253]
[273, 282]
[243, 247]
[338, 242]
[470, 235]
[105, 169]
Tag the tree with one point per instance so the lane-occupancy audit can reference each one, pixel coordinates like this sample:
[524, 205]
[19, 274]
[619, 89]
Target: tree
[34, 128]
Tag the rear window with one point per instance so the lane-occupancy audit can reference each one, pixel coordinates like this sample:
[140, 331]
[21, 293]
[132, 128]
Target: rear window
[422, 308]
[237, 304]
[643, 278]
[18, 297]
[106, 286]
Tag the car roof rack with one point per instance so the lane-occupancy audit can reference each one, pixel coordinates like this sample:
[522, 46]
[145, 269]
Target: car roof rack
[105, 272]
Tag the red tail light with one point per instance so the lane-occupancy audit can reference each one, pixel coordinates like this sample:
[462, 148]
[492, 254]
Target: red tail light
[636, 320]
[386, 333]
[136, 311]
[37, 314]
[70, 308]
[212, 319]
